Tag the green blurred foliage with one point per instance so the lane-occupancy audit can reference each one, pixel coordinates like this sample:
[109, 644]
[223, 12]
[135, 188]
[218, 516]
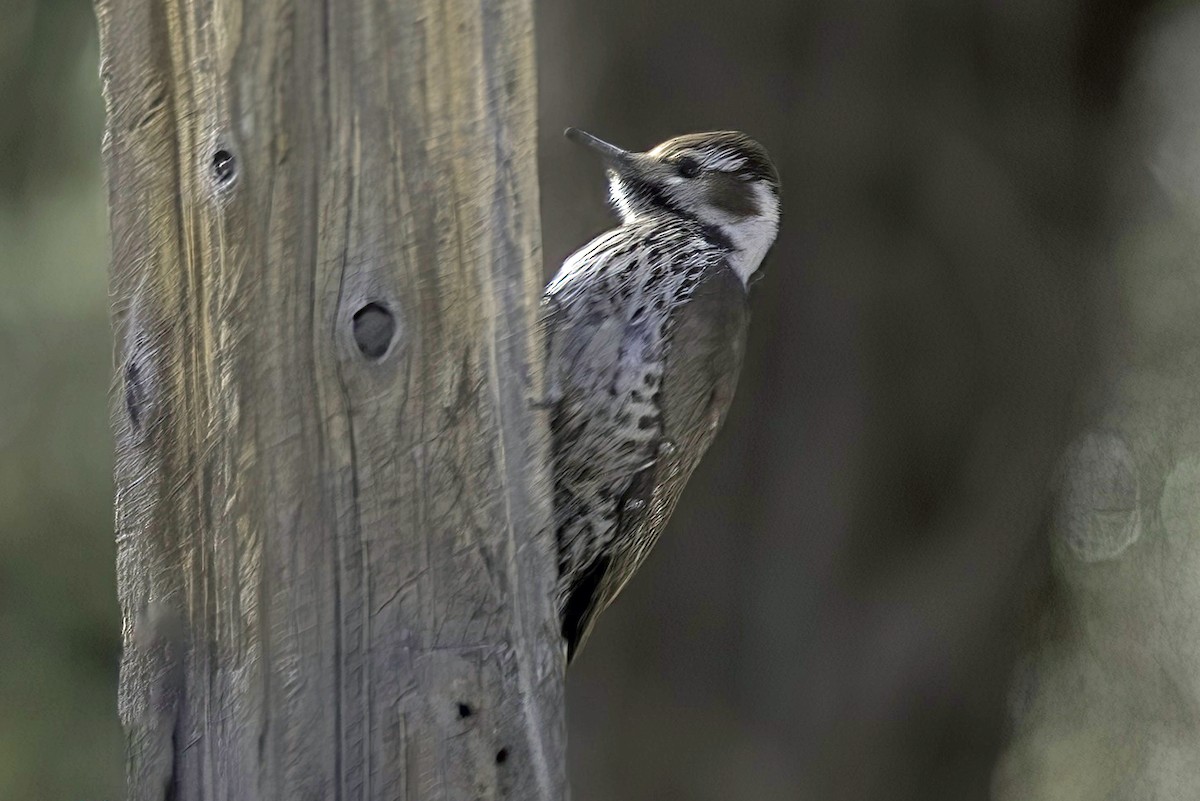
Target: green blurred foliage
[59, 622]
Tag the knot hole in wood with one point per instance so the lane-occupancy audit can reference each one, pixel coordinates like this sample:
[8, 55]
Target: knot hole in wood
[374, 327]
[224, 167]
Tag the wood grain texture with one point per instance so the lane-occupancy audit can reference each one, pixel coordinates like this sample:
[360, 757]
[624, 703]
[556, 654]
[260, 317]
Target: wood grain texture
[333, 561]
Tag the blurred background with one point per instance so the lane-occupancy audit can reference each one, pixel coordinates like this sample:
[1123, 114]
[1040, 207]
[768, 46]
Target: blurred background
[59, 622]
[946, 545]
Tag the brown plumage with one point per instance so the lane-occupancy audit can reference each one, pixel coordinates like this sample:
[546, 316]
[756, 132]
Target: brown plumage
[645, 328]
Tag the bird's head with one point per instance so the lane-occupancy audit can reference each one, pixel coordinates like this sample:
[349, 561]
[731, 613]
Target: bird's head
[723, 180]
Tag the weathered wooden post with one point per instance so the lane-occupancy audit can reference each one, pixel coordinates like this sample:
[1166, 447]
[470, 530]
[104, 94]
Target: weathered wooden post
[333, 559]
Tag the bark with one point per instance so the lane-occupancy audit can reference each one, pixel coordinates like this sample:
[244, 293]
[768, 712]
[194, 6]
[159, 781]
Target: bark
[333, 562]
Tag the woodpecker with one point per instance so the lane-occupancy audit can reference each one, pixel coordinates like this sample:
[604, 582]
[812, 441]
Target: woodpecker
[644, 329]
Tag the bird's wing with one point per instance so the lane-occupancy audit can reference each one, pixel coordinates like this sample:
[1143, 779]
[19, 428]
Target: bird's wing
[703, 355]
[598, 357]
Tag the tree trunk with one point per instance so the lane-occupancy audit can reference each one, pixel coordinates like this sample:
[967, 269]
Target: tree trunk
[333, 562]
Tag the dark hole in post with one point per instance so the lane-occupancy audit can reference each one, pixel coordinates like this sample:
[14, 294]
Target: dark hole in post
[374, 327]
[135, 394]
[224, 166]
[501, 756]
[464, 710]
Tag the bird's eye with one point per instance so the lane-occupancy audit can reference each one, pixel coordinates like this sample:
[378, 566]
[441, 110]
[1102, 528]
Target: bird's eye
[688, 167]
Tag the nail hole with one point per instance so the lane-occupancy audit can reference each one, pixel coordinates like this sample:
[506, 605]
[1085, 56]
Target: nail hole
[224, 166]
[501, 756]
[465, 711]
[374, 327]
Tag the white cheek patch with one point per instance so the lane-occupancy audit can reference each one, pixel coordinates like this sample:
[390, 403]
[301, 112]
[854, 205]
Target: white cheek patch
[751, 236]
[768, 204]
[620, 198]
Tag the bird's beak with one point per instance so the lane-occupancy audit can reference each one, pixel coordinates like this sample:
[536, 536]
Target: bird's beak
[613, 156]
